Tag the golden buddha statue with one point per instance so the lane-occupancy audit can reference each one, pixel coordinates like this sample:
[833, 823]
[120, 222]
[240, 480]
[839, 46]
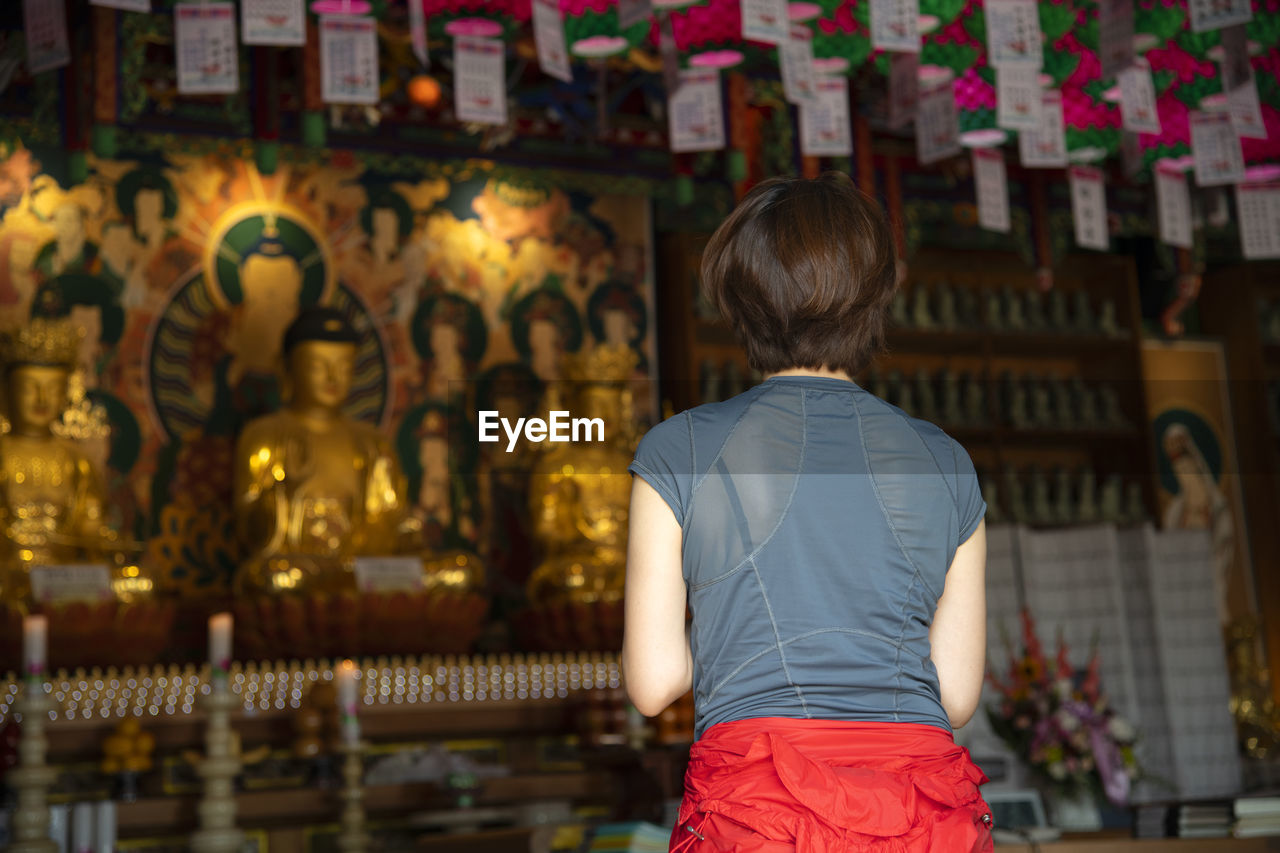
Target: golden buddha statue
[580, 491]
[51, 498]
[313, 487]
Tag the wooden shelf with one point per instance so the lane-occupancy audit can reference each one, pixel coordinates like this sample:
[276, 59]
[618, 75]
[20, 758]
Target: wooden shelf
[1106, 842]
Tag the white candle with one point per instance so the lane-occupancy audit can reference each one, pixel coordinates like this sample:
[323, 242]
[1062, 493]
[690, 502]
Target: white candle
[105, 829]
[345, 675]
[35, 631]
[82, 828]
[220, 643]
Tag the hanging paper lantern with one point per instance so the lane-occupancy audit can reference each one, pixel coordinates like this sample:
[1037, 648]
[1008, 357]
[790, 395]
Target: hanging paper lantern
[424, 91]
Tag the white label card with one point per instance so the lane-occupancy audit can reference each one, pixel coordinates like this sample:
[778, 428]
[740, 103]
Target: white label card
[1216, 147]
[207, 53]
[1115, 36]
[45, 24]
[71, 582]
[1138, 101]
[937, 125]
[765, 20]
[1173, 208]
[1258, 206]
[1208, 15]
[824, 122]
[1089, 207]
[281, 22]
[1013, 32]
[479, 81]
[632, 12]
[1019, 104]
[895, 25]
[418, 31]
[694, 114]
[796, 58]
[991, 187]
[124, 5]
[548, 33]
[1045, 148]
[388, 574]
[348, 60]
[904, 88]
[1246, 111]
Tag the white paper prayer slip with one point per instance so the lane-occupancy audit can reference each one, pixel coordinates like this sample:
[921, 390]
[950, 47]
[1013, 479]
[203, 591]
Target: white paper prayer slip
[124, 5]
[1138, 101]
[348, 60]
[278, 22]
[992, 189]
[205, 43]
[45, 25]
[904, 88]
[1089, 207]
[765, 20]
[1208, 15]
[1019, 97]
[1115, 36]
[418, 30]
[937, 124]
[388, 574]
[1045, 148]
[479, 80]
[695, 115]
[895, 25]
[795, 56]
[1216, 148]
[1013, 33]
[548, 33]
[1173, 207]
[824, 122]
[71, 582]
[1258, 208]
[632, 12]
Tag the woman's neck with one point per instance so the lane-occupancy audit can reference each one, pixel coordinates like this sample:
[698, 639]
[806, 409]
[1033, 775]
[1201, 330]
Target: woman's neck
[823, 372]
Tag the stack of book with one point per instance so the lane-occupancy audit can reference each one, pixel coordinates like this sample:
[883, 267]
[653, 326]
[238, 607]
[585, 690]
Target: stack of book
[631, 837]
[1199, 819]
[1257, 816]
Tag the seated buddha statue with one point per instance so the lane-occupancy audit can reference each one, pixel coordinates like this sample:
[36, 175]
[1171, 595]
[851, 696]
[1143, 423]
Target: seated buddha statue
[51, 498]
[314, 487]
[580, 491]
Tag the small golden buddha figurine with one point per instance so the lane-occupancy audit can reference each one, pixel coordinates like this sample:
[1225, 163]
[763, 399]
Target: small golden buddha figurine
[580, 491]
[313, 487]
[51, 498]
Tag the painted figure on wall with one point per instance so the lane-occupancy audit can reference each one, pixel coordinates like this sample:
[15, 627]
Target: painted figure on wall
[450, 337]
[545, 327]
[437, 449]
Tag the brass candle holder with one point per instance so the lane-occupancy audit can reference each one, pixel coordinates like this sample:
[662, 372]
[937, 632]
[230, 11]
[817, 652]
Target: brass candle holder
[221, 764]
[32, 778]
[353, 838]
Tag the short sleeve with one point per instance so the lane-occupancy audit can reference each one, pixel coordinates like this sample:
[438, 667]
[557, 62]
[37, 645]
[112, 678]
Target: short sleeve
[664, 460]
[970, 507]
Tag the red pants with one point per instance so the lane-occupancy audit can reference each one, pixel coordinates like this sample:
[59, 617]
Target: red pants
[815, 786]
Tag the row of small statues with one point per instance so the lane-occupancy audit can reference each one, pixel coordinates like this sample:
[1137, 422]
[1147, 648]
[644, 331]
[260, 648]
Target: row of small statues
[1033, 496]
[1269, 321]
[1026, 401]
[943, 306]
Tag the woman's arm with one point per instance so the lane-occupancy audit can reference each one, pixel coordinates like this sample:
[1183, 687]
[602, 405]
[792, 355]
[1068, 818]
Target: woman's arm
[959, 632]
[657, 664]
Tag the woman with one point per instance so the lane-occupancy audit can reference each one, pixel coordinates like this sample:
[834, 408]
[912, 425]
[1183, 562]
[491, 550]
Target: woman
[832, 553]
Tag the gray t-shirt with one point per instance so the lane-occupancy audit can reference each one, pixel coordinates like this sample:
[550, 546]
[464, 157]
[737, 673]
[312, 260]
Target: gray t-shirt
[818, 524]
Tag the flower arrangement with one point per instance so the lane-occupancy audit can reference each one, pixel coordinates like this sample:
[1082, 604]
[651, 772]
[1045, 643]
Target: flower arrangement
[1058, 720]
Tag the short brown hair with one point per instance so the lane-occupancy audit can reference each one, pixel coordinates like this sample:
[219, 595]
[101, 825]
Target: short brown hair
[804, 271]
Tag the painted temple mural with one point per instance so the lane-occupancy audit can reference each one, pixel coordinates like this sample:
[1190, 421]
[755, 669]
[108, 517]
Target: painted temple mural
[468, 289]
